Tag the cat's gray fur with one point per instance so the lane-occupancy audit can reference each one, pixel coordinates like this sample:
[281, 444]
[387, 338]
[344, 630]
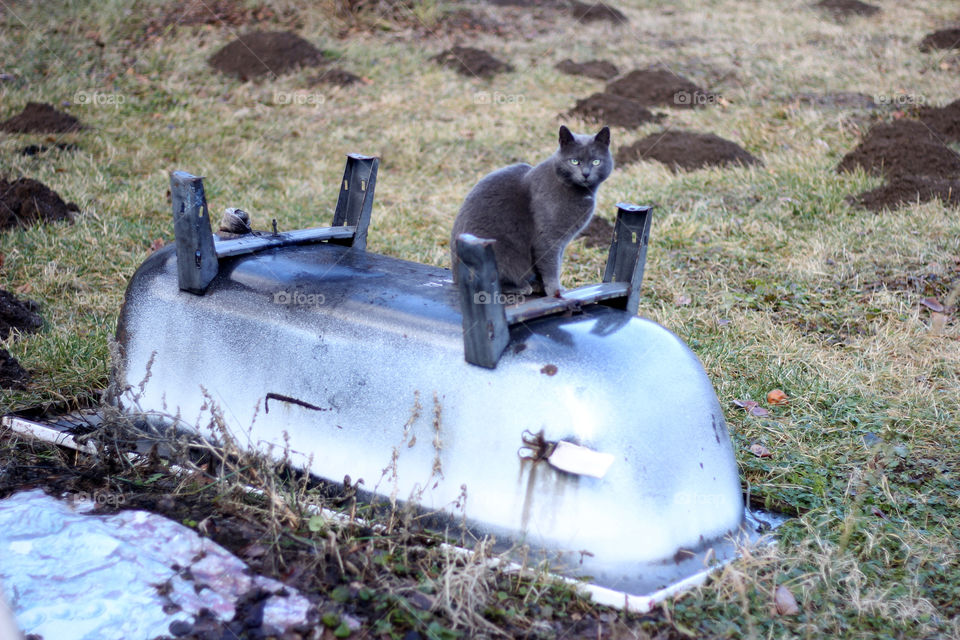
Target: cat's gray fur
[534, 212]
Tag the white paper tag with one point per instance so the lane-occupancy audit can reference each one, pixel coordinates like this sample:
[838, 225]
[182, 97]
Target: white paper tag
[573, 458]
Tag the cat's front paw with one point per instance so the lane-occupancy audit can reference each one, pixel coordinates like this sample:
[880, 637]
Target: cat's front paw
[525, 290]
[554, 291]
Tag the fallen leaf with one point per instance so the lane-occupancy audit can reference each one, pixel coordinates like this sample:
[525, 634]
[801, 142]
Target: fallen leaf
[933, 304]
[420, 600]
[752, 407]
[156, 245]
[785, 603]
[24, 288]
[255, 551]
[682, 300]
[760, 451]
[776, 397]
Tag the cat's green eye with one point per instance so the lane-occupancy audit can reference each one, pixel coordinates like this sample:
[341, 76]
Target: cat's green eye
[574, 161]
[596, 163]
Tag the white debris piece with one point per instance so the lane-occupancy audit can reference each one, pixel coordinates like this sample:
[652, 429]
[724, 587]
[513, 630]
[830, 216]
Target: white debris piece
[72, 576]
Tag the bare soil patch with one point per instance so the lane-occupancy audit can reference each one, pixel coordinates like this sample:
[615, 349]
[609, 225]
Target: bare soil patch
[265, 53]
[217, 13]
[40, 117]
[468, 61]
[942, 39]
[902, 148]
[611, 109]
[465, 21]
[847, 8]
[597, 234]
[660, 87]
[404, 18]
[599, 69]
[944, 120]
[686, 150]
[838, 100]
[26, 201]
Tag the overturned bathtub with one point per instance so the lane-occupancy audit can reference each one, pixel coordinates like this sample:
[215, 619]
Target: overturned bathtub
[568, 425]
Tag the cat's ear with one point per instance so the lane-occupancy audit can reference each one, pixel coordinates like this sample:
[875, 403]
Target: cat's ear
[565, 136]
[603, 137]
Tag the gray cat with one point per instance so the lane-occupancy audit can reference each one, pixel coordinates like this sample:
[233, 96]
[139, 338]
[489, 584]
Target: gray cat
[534, 212]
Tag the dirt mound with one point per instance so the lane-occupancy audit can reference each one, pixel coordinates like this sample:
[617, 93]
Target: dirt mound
[337, 77]
[944, 120]
[903, 190]
[660, 87]
[12, 375]
[34, 149]
[530, 4]
[917, 165]
[611, 109]
[685, 150]
[902, 148]
[17, 314]
[942, 39]
[593, 12]
[838, 100]
[599, 69]
[40, 117]
[846, 8]
[262, 53]
[229, 13]
[597, 234]
[468, 61]
[26, 201]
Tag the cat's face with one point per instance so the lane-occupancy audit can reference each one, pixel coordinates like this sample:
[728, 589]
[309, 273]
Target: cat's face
[584, 160]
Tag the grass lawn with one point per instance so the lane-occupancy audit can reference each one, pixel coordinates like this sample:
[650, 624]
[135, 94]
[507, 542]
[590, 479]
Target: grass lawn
[767, 272]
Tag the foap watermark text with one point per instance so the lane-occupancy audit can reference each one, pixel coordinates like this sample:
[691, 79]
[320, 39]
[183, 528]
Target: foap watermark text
[498, 98]
[298, 299]
[99, 99]
[99, 498]
[299, 98]
[485, 297]
[696, 98]
[900, 100]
